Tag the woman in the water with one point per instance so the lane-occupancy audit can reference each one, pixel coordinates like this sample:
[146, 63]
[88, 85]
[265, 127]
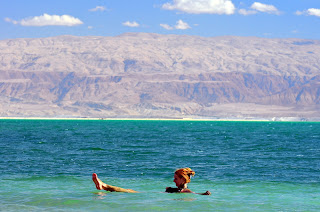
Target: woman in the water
[181, 177]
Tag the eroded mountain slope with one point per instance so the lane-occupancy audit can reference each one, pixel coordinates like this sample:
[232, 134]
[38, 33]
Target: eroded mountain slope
[151, 75]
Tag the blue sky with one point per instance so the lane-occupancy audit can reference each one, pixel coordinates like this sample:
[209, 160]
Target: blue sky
[209, 18]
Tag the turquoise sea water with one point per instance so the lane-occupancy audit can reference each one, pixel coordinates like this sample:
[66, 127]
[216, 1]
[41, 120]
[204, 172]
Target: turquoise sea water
[46, 165]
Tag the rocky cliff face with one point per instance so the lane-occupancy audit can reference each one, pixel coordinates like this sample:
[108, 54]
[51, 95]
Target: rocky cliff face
[151, 75]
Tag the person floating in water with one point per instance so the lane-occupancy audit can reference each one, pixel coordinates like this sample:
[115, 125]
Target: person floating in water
[181, 177]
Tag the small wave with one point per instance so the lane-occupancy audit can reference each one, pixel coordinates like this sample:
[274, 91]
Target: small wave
[92, 149]
[41, 178]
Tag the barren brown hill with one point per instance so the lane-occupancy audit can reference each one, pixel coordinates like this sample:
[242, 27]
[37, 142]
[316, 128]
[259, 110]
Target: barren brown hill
[163, 76]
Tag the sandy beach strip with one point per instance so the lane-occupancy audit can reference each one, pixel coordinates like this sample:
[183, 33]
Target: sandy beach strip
[131, 119]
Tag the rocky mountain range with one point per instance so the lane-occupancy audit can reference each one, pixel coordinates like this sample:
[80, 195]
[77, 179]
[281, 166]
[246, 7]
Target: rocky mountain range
[144, 75]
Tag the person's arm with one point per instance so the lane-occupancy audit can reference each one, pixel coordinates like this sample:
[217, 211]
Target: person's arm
[189, 191]
[205, 193]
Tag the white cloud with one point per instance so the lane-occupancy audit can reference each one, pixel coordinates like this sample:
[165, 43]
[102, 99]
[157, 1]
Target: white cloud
[182, 25]
[311, 11]
[259, 7]
[131, 24]
[179, 25]
[247, 12]
[314, 11]
[266, 8]
[11, 21]
[98, 8]
[201, 6]
[47, 20]
[166, 26]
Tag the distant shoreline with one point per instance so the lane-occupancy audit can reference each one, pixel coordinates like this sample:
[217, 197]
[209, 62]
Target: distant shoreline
[282, 119]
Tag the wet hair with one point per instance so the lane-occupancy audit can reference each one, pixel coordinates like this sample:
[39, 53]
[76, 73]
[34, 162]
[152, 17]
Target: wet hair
[185, 173]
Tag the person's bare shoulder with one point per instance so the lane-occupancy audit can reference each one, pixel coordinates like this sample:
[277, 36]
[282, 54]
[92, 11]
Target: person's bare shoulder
[186, 190]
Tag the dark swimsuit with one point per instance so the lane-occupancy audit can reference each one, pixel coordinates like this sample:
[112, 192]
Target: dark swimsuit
[173, 190]
[178, 190]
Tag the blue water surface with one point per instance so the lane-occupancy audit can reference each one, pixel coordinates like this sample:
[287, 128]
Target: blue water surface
[248, 166]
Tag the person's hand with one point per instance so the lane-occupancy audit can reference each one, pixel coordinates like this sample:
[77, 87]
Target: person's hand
[207, 193]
